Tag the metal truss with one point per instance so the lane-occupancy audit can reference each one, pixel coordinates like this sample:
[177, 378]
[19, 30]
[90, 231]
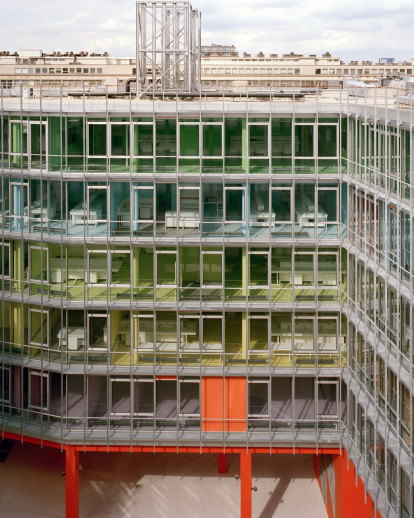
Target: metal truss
[168, 47]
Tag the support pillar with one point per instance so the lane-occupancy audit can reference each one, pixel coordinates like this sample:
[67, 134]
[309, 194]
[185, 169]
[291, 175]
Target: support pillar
[246, 485]
[222, 462]
[72, 482]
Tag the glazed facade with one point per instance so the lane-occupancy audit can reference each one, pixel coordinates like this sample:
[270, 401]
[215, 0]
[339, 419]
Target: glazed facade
[211, 273]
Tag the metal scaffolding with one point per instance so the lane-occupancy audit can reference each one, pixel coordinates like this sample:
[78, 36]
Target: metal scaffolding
[168, 47]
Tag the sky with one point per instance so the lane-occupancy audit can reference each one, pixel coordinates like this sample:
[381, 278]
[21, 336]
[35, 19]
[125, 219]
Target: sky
[350, 29]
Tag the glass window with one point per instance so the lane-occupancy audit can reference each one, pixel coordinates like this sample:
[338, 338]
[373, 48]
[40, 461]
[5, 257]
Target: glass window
[189, 140]
[327, 399]
[143, 139]
[38, 391]
[144, 397]
[281, 137]
[258, 144]
[120, 139]
[97, 139]
[74, 136]
[97, 331]
[212, 140]
[166, 137]
[327, 141]
[304, 145]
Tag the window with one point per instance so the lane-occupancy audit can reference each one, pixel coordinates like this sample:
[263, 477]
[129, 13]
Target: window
[38, 391]
[97, 139]
[144, 399]
[143, 139]
[327, 399]
[120, 397]
[120, 137]
[189, 139]
[235, 204]
[212, 140]
[258, 409]
[5, 260]
[38, 264]
[97, 203]
[38, 328]
[189, 400]
[97, 331]
[5, 386]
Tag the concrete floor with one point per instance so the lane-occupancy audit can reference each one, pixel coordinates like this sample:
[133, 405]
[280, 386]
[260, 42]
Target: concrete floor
[156, 486]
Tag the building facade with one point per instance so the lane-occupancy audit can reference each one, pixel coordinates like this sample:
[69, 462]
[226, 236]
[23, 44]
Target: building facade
[221, 67]
[187, 271]
[212, 274]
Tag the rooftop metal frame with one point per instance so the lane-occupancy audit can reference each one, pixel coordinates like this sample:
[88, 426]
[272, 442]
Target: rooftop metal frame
[168, 47]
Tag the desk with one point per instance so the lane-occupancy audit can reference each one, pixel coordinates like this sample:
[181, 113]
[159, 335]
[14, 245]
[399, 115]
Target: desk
[79, 216]
[77, 268]
[74, 338]
[187, 219]
[262, 219]
[45, 213]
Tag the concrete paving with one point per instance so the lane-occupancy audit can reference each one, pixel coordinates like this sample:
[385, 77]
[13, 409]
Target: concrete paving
[156, 486]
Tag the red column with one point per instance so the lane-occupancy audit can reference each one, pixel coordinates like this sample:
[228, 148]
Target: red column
[246, 485]
[222, 462]
[72, 482]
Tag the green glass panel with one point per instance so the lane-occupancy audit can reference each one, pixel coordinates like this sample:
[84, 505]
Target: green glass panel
[281, 137]
[166, 266]
[258, 145]
[212, 269]
[304, 141]
[258, 267]
[190, 267]
[143, 140]
[97, 139]
[74, 136]
[166, 137]
[327, 141]
[55, 136]
[189, 140]
[121, 268]
[212, 141]
[19, 138]
[120, 139]
[38, 264]
[233, 130]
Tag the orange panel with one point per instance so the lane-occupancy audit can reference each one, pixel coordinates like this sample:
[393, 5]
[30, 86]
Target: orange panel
[234, 411]
[212, 408]
[236, 404]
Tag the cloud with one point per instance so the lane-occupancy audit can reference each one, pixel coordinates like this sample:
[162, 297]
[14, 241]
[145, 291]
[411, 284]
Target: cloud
[350, 29]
